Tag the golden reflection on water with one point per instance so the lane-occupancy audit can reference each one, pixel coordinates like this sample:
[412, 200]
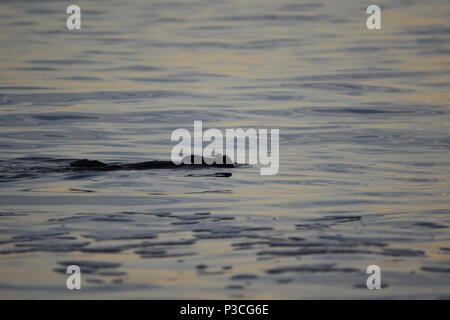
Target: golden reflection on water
[216, 64]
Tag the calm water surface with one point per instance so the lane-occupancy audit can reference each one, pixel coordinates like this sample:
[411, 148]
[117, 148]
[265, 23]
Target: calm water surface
[364, 149]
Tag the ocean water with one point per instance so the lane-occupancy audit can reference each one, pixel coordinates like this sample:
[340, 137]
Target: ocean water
[364, 149]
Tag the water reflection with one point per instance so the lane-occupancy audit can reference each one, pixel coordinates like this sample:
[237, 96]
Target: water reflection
[364, 133]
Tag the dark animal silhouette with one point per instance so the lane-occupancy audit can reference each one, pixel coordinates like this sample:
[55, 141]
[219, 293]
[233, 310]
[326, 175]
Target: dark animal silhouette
[219, 161]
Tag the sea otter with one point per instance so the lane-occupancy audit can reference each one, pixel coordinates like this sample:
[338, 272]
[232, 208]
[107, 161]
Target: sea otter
[193, 161]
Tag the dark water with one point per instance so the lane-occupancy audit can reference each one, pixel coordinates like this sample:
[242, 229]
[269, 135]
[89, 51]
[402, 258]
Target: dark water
[364, 149]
